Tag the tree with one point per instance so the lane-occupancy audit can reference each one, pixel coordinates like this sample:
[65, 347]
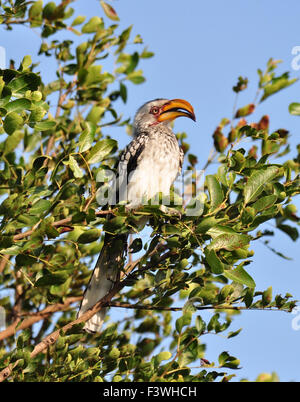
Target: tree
[51, 221]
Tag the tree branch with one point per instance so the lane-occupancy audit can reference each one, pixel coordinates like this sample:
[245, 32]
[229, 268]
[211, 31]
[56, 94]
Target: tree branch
[3, 261]
[35, 317]
[52, 338]
[60, 223]
[162, 308]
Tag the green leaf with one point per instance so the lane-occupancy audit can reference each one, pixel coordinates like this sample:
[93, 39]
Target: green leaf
[44, 125]
[257, 181]
[146, 54]
[87, 137]
[57, 278]
[36, 9]
[163, 356]
[215, 192]
[2, 84]
[24, 82]
[115, 225]
[245, 110]
[218, 230]
[37, 114]
[72, 163]
[90, 76]
[40, 206]
[239, 275]
[200, 324]
[39, 162]
[23, 337]
[136, 77]
[233, 333]
[276, 85]
[229, 242]
[183, 321]
[206, 224]
[292, 232]
[225, 360]
[18, 105]
[24, 260]
[26, 63]
[13, 121]
[169, 229]
[6, 241]
[267, 296]
[92, 25]
[51, 232]
[264, 202]
[213, 261]
[49, 10]
[101, 150]
[123, 92]
[13, 141]
[294, 109]
[89, 236]
[134, 60]
[35, 14]
[109, 11]
[136, 246]
[27, 220]
[95, 114]
[78, 20]
[114, 353]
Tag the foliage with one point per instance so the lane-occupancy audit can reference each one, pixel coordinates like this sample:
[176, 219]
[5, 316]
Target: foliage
[51, 223]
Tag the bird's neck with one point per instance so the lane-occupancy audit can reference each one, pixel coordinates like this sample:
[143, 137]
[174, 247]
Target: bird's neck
[161, 130]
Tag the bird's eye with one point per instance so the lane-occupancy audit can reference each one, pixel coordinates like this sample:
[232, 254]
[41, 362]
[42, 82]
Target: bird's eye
[154, 110]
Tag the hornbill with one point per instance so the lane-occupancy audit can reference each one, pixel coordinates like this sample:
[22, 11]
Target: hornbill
[152, 161]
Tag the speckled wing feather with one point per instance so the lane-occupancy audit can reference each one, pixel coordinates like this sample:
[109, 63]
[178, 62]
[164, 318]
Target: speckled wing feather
[128, 163]
[133, 151]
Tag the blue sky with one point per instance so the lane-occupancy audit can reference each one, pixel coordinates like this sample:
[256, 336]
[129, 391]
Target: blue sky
[200, 49]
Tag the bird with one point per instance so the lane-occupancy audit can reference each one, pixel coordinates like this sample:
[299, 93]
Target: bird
[149, 165]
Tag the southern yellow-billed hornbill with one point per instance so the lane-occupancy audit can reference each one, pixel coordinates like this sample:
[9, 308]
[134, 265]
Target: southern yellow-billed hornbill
[152, 161]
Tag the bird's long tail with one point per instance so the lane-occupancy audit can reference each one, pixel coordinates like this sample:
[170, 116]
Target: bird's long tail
[105, 274]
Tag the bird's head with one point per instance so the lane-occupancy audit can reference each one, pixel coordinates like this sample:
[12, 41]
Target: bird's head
[161, 111]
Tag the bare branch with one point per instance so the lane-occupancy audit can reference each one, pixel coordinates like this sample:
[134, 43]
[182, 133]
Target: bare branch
[3, 261]
[35, 317]
[60, 223]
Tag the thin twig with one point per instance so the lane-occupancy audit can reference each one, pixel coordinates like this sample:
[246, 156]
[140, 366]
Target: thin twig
[3, 261]
[60, 223]
[162, 308]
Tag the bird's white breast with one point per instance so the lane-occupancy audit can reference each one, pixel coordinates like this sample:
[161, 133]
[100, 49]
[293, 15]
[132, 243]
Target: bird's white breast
[156, 170]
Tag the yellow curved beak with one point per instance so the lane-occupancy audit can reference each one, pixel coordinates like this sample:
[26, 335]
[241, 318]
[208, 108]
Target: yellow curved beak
[176, 108]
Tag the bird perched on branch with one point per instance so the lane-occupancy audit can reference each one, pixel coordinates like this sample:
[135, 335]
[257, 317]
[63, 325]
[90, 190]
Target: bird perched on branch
[151, 163]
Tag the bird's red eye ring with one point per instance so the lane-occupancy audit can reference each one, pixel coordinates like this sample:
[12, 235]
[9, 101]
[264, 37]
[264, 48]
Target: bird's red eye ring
[154, 110]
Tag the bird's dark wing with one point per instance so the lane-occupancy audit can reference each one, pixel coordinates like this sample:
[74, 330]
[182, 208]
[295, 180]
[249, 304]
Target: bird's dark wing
[133, 151]
[128, 162]
[181, 158]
